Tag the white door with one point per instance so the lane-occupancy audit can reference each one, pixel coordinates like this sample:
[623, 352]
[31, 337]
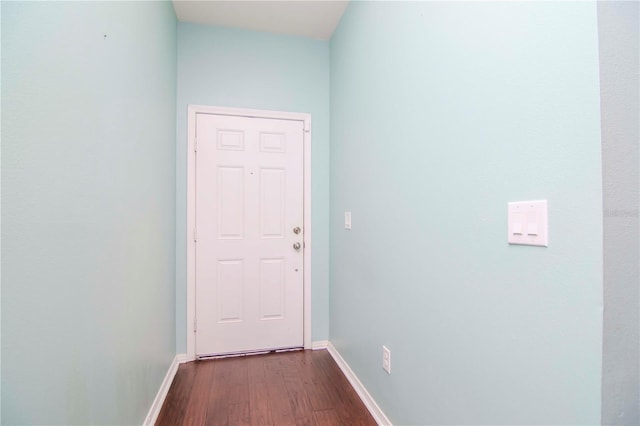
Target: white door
[249, 216]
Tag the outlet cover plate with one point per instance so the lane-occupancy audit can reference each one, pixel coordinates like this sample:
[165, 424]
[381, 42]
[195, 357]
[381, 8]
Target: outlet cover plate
[386, 359]
[347, 220]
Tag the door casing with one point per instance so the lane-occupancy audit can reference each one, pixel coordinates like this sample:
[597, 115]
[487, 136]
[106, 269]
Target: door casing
[192, 111]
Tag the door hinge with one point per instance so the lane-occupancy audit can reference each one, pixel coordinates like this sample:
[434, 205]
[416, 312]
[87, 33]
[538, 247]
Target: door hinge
[195, 144]
[195, 325]
[195, 235]
[306, 126]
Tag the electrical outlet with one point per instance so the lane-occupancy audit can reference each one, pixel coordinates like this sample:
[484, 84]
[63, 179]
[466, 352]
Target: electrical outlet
[386, 359]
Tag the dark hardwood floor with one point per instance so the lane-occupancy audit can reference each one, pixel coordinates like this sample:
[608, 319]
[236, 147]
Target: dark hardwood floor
[290, 388]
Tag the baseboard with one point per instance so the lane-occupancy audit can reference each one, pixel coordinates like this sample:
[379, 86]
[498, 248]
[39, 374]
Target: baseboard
[319, 344]
[182, 358]
[154, 411]
[366, 398]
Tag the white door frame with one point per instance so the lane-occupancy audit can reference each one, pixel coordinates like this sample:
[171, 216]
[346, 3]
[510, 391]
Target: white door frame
[191, 211]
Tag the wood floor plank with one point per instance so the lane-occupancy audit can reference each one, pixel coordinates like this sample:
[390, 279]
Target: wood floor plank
[259, 406]
[238, 380]
[198, 404]
[255, 368]
[327, 418]
[281, 411]
[239, 414]
[176, 401]
[218, 406]
[300, 404]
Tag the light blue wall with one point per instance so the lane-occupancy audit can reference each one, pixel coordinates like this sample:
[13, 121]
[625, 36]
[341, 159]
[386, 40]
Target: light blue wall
[619, 46]
[245, 69]
[88, 209]
[441, 113]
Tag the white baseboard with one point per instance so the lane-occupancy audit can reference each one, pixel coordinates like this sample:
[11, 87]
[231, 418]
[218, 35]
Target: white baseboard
[182, 358]
[319, 344]
[154, 411]
[366, 398]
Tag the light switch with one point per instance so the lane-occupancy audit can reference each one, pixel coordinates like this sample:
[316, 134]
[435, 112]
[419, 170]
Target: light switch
[517, 228]
[534, 215]
[347, 220]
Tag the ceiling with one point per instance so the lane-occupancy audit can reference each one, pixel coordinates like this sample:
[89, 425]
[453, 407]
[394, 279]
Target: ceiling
[308, 18]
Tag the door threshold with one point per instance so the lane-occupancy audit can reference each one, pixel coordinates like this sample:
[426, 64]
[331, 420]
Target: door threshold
[247, 353]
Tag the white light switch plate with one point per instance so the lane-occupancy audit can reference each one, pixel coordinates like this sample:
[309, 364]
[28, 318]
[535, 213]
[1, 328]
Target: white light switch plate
[347, 220]
[527, 223]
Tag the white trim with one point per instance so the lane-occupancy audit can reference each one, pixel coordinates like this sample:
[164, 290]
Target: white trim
[156, 406]
[255, 113]
[192, 110]
[366, 398]
[319, 344]
[182, 358]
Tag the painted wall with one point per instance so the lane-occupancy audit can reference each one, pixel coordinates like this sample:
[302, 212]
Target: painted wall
[620, 104]
[441, 113]
[88, 187]
[245, 69]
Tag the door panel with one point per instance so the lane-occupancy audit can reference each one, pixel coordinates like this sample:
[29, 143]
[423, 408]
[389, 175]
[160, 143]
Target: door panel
[272, 203]
[230, 202]
[272, 289]
[249, 198]
[230, 290]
